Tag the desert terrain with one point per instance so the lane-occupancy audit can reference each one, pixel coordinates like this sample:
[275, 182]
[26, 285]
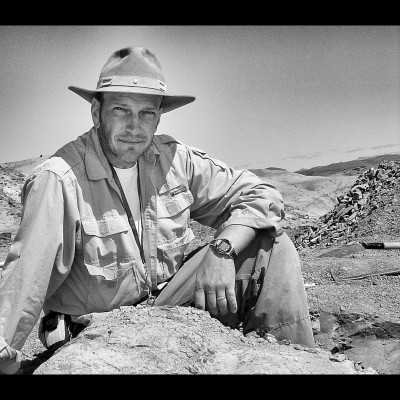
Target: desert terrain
[353, 292]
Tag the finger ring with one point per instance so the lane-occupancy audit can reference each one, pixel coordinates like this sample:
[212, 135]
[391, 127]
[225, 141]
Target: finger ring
[221, 298]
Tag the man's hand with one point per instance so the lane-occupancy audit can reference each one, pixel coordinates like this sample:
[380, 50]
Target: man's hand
[215, 278]
[215, 283]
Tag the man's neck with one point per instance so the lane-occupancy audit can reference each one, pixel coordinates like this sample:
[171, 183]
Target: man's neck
[117, 162]
[125, 170]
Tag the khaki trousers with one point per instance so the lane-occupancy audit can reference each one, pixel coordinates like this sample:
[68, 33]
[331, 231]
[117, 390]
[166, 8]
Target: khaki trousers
[269, 286]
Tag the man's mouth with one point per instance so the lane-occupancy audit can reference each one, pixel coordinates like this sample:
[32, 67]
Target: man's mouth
[128, 141]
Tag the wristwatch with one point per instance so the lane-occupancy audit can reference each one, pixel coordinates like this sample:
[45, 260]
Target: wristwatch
[223, 246]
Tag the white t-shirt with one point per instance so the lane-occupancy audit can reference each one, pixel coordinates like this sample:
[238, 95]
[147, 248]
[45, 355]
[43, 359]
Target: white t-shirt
[129, 179]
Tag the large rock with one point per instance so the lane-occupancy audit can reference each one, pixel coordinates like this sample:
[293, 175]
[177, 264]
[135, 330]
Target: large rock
[182, 340]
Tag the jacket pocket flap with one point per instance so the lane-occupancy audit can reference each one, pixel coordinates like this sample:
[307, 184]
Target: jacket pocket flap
[104, 227]
[110, 272]
[172, 185]
[178, 242]
[173, 197]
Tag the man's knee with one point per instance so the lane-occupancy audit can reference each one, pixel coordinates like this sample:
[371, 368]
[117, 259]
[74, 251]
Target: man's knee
[283, 251]
[268, 248]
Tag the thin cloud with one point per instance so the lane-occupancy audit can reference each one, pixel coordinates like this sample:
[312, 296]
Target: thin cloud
[302, 156]
[355, 150]
[386, 146]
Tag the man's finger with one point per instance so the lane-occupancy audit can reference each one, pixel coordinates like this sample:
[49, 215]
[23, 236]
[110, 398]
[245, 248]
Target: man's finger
[199, 299]
[212, 302]
[231, 299]
[222, 303]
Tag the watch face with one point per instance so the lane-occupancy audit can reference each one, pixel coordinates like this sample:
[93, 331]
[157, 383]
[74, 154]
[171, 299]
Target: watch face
[223, 246]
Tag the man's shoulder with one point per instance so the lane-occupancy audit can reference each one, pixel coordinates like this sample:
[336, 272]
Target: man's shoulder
[166, 143]
[169, 141]
[71, 156]
[73, 151]
[166, 140]
[54, 164]
[66, 159]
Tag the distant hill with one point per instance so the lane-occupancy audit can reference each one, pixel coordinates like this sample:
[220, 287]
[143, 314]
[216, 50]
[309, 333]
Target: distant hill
[307, 192]
[303, 195]
[354, 167]
[25, 166]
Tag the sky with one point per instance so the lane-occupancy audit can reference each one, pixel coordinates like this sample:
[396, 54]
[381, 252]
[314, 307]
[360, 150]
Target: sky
[290, 97]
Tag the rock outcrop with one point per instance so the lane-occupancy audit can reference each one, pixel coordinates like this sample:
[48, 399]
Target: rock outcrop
[183, 340]
[372, 201]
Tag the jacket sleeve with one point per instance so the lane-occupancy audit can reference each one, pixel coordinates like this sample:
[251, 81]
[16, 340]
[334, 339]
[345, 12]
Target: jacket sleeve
[226, 196]
[38, 260]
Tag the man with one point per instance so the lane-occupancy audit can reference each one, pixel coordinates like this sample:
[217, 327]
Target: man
[106, 223]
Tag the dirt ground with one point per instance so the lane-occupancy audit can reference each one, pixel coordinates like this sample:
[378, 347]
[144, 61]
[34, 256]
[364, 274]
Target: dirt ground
[376, 295]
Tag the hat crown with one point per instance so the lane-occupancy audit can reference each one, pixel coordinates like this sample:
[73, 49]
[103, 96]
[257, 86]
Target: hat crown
[133, 61]
[134, 70]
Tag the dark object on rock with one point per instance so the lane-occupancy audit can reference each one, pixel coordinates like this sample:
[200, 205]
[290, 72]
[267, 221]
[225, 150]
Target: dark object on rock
[355, 247]
[381, 245]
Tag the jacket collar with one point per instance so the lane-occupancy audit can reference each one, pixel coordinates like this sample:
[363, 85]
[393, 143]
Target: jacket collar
[96, 163]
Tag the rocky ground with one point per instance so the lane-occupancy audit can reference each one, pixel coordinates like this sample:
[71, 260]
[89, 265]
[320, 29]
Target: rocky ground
[184, 340]
[353, 293]
[357, 289]
[368, 211]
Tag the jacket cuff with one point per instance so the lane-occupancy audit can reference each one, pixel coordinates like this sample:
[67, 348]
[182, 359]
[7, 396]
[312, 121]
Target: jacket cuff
[274, 227]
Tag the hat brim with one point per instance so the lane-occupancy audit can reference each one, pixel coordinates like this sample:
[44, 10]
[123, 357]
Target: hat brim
[169, 103]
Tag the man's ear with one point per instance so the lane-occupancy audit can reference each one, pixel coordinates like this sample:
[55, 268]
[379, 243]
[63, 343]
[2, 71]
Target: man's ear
[159, 117]
[95, 112]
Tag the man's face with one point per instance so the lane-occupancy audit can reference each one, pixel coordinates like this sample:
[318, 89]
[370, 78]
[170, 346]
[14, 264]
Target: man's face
[126, 124]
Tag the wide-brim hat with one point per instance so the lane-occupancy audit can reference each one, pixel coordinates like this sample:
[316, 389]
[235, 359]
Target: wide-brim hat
[134, 70]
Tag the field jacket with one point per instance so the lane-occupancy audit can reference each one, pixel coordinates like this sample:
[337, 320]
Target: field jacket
[74, 250]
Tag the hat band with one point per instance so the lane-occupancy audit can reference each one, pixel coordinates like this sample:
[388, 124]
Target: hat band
[131, 81]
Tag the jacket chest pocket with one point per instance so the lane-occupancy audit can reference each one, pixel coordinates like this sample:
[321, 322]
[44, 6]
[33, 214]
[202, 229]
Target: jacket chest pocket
[110, 262]
[173, 211]
[105, 249]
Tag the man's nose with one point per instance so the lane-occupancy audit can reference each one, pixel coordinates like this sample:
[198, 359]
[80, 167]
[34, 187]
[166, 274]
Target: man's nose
[132, 121]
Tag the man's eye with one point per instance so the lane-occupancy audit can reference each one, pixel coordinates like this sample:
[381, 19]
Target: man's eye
[148, 115]
[119, 109]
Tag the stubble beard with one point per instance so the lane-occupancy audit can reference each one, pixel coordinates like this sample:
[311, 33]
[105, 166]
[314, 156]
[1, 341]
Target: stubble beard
[123, 159]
